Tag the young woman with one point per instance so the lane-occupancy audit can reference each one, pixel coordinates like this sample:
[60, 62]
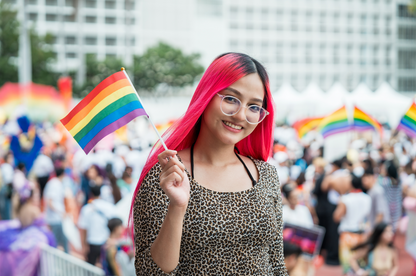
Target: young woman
[211, 205]
[381, 257]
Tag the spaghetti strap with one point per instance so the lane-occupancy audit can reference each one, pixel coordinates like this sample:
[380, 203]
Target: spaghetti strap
[239, 158]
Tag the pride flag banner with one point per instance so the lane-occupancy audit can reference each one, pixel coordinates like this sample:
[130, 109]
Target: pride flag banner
[408, 122]
[363, 121]
[305, 125]
[109, 106]
[337, 122]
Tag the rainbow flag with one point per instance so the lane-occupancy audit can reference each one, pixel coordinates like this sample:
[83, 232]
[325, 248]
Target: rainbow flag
[363, 121]
[408, 122]
[305, 125]
[334, 123]
[109, 106]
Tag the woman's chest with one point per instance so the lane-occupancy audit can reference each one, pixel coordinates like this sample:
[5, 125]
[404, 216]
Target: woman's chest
[231, 219]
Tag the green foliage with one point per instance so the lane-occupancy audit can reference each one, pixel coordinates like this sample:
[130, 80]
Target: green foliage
[412, 7]
[164, 64]
[97, 71]
[9, 42]
[42, 59]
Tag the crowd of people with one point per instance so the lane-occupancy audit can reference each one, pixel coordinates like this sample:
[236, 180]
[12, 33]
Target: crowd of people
[362, 199]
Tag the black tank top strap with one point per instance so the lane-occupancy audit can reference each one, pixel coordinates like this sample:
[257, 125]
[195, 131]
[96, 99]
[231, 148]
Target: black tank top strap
[236, 154]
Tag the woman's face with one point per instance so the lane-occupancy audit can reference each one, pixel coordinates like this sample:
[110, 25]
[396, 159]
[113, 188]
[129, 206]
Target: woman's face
[250, 91]
[387, 236]
[293, 198]
[92, 172]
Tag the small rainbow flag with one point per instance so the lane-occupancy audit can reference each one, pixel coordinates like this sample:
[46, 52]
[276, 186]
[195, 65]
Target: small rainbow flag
[334, 123]
[109, 106]
[408, 122]
[305, 125]
[363, 121]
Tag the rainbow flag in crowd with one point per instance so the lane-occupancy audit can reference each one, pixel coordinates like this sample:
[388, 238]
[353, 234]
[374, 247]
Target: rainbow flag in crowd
[408, 122]
[109, 106]
[305, 125]
[363, 121]
[334, 123]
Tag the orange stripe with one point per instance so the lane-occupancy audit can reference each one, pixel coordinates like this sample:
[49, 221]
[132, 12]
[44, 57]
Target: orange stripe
[102, 95]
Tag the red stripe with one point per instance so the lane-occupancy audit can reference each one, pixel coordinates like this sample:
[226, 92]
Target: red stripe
[102, 85]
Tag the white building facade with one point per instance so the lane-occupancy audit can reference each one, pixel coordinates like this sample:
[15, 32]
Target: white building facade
[299, 41]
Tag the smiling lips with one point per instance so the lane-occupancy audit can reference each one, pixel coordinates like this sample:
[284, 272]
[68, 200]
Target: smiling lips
[233, 126]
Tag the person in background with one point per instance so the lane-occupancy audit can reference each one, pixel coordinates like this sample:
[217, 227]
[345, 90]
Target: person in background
[409, 204]
[291, 253]
[7, 172]
[126, 181]
[388, 179]
[54, 196]
[113, 183]
[293, 212]
[42, 169]
[93, 222]
[352, 212]
[382, 258]
[379, 206]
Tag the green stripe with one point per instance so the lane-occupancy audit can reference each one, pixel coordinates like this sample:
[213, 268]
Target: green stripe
[411, 120]
[335, 122]
[104, 113]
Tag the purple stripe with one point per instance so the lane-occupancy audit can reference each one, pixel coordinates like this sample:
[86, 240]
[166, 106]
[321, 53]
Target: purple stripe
[113, 127]
[407, 130]
[336, 131]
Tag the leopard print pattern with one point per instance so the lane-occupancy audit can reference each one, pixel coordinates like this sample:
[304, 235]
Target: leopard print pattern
[224, 233]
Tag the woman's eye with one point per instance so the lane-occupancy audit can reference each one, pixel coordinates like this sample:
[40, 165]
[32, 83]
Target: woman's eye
[231, 100]
[254, 108]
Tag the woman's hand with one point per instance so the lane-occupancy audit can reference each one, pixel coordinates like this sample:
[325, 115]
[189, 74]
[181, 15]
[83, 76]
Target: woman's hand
[173, 179]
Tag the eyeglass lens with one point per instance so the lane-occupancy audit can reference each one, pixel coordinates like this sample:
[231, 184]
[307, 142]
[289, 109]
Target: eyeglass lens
[231, 105]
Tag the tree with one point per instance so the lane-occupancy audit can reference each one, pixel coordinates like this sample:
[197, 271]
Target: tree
[164, 64]
[97, 71]
[42, 55]
[413, 7]
[9, 43]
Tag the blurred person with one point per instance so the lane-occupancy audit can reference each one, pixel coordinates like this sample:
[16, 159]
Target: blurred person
[114, 259]
[95, 176]
[352, 213]
[389, 180]
[281, 159]
[379, 206]
[6, 192]
[54, 197]
[42, 169]
[407, 177]
[126, 182]
[93, 220]
[292, 253]
[377, 253]
[293, 212]
[117, 195]
[409, 204]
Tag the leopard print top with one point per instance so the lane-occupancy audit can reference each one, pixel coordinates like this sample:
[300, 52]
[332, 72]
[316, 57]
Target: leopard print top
[224, 233]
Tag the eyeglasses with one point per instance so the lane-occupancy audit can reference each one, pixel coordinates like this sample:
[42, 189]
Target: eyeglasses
[231, 105]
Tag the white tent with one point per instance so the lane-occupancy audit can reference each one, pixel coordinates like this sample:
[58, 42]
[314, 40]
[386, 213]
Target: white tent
[286, 100]
[337, 95]
[313, 101]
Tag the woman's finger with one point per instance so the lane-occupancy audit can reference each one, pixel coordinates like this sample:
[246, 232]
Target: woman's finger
[165, 156]
[173, 169]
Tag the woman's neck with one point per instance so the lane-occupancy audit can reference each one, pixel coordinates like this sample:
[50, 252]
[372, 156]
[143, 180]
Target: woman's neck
[213, 152]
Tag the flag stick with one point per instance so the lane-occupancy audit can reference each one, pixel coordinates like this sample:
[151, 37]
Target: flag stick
[153, 125]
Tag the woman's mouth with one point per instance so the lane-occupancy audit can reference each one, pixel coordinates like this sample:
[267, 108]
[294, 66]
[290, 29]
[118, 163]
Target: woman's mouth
[232, 127]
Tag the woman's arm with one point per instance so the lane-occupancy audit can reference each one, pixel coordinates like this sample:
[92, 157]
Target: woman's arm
[395, 268]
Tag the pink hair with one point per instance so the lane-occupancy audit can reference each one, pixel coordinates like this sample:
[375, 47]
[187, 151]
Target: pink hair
[223, 72]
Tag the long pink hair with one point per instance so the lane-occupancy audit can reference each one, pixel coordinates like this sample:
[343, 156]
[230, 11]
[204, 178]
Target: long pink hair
[223, 71]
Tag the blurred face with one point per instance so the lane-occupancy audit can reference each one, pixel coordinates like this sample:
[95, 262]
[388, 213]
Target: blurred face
[118, 232]
[388, 234]
[92, 172]
[293, 198]
[291, 261]
[232, 129]
[367, 181]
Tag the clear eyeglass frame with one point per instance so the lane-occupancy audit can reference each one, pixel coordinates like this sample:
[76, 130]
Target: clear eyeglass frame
[262, 109]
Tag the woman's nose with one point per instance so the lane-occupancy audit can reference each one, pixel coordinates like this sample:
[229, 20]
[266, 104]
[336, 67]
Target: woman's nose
[241, 114]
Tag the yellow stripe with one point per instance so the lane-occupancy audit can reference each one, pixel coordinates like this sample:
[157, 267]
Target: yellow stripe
[99, 107]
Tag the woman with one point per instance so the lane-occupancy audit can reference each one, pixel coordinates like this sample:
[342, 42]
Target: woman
[293, 212]
[382, 258]
[212, 205]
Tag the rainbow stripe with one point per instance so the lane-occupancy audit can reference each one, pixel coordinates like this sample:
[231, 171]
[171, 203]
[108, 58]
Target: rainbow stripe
[305, 125]
[408, 122]
[334, 123]
[111, 105]
[363, 121]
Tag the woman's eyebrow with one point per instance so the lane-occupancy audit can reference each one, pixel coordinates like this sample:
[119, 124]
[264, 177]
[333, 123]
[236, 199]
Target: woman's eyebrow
[238, 93]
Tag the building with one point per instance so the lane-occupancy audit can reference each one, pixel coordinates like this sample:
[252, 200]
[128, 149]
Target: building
[299, 41]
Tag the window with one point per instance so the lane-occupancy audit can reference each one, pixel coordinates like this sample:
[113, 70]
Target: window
[69, 3]
[403, 11]
[130, 4]
[33, 16]
[407, 59]
[54, 39]
[130, 20]
[71, 55]
[51, 17]
[90, 3]
[69, 18]
[233, 11]
[32, 2]
[51, 2]
[70, 40]
[133, 41]
[110, 55]
[407, 32]
[90, 40]
[209, 8]
[233, 44]
[233, 25]
[110, 20]
[90, 19]
[407, 84]
[110, 41]
[110, 4]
